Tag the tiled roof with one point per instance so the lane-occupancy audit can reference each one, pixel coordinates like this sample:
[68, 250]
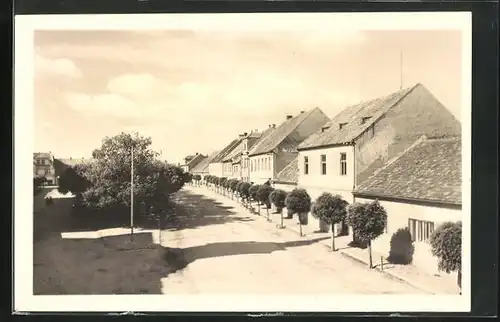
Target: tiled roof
[271, 141]
[222, 154]
[197, 158]
[351, 116]
[203, 165]
[290, 173]
[233, 154]
[430, 171]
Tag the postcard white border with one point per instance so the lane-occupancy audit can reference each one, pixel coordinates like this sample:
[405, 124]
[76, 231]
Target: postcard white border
[23, 121]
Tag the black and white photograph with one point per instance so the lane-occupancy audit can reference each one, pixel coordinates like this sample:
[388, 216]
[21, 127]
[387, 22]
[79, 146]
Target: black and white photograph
[243, 162]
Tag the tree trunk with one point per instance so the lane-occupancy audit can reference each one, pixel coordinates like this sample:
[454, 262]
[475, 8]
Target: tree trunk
[333, 238]
[300, 229]
[258, 207]
[370, 263]
[267, 212]
[459, 280]
[281, 215]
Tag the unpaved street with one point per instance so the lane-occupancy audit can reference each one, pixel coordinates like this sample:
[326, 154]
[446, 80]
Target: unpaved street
[216, 246]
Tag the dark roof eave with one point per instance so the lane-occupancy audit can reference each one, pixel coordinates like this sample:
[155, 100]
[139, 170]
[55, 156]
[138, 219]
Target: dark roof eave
[260, 153]
[285, 182]
[325, 146]
[412, 200]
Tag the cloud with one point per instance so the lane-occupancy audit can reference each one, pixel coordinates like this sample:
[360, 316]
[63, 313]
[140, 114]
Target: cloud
[104, 104]
[58, 67]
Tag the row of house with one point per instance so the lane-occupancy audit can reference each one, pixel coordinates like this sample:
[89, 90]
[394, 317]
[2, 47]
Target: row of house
[403, 149]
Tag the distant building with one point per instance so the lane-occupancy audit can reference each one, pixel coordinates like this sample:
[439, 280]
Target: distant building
[191, 161]
[274, 152]
[43, 166]
[202, 167]
[216, 166]
[288, 177]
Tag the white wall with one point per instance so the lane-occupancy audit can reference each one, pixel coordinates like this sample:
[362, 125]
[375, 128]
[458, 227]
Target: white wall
[227, 169]
[215, 169]
[398, 214]
[333, 181]
[285, 187]
[265, 171]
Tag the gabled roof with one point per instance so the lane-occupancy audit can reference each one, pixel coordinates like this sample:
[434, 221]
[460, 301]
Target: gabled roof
[271, 141]
[222, 154]
[431, 170]
[203, 165]
[351, 117]
[195, 160]
[233, 154]
[290, 174]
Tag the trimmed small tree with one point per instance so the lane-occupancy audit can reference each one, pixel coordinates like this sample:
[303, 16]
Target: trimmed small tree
[368, 221]
[298, 202]
[222, 181]
[253, 194]
[263, 196]
[245, 192]
[446, 245]
[238, 188]
[277, 198]
[331, 209]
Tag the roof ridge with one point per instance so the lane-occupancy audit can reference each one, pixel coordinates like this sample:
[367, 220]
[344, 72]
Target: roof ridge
[420, 140]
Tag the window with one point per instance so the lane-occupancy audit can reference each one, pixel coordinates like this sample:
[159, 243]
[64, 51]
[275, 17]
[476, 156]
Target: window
[343, 164]
[270, 163]
[341, 125]
[323, 164]
[306, 165]
[420, 230]
[39, 162]
[258, 165]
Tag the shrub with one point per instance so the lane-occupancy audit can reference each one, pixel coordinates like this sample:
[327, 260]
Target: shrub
[331, 210]
[263, 194]
[298, 201]
[238, 186]
[245, 190]
[446, 245]
[277, 197]
[402, 247]
[368, 221]
[253, 191]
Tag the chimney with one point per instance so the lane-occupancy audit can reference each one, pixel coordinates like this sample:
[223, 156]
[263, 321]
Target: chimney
[288, 117]
[241, 136]
[196, 153]
[274, 126]
[245, 133]
[270, 125]
[302, 112]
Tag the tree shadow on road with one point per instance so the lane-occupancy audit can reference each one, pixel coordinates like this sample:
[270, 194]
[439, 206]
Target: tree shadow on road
[189, 211]
[180, 258]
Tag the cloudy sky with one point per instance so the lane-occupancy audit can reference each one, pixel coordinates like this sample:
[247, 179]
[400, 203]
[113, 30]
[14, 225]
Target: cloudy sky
[194, 91]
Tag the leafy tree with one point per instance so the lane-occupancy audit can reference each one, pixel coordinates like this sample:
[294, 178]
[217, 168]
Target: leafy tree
[277, 197]
[330, 209]
[245, 191]
[368, 221]
[73, 179]
[446, 245]
[402, 247]
[263, 196]
[96, 154]
[108, 178]
[222, 183]
[253, 194]
[298, 202]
